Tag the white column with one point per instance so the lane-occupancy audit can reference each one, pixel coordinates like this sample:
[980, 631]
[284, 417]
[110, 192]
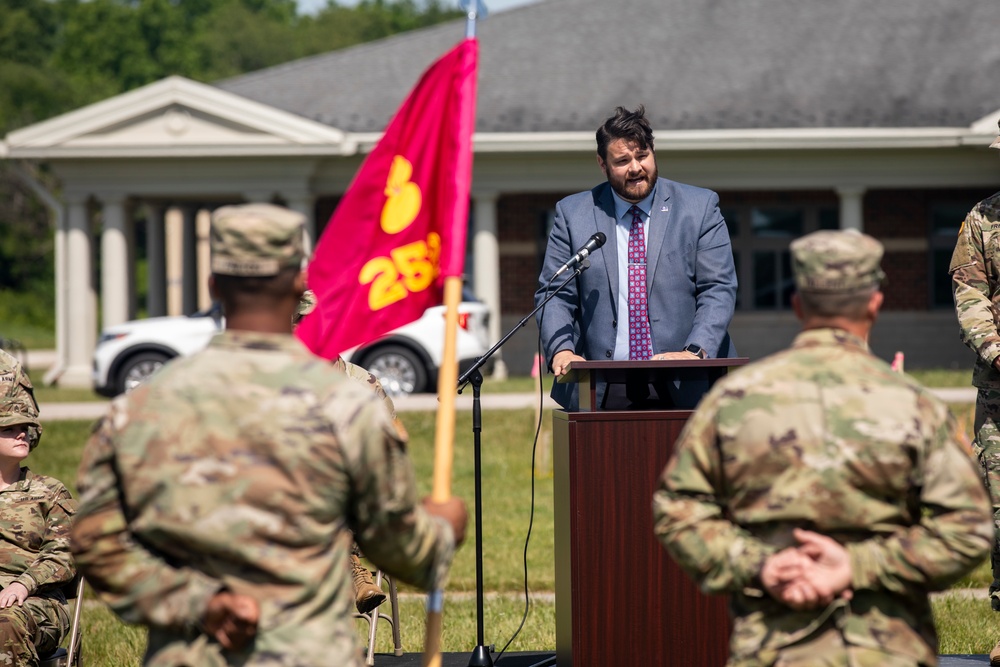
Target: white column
[203, 256]
[851, 207]
[174, 224]
[82, 326]
[304, 204]
[114, 264]
[156, 268]
[486, 267]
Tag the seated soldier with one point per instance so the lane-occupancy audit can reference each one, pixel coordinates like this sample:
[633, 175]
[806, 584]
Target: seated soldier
[367, 595]
[35, 560]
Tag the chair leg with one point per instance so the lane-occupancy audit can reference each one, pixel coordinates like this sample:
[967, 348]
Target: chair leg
[397, 643]
[76, 631]
[373, 617]
[373, 625]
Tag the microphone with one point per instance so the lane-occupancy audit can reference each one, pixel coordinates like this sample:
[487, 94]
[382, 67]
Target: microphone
[592, 244]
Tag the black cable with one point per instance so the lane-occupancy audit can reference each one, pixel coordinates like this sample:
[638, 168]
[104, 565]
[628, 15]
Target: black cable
[531, 516]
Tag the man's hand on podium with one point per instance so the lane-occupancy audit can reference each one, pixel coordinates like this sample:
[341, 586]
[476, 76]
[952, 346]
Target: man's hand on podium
[671, 356]
[562, 359]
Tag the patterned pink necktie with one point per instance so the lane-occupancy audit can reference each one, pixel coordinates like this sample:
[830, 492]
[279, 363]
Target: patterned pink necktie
[640, 345]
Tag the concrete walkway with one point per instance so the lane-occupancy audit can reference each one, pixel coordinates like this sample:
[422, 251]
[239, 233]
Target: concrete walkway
[414, 403]
[38, 359]
[423, 403]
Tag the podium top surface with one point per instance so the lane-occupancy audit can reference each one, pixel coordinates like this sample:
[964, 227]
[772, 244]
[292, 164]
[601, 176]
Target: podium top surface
[582, 371]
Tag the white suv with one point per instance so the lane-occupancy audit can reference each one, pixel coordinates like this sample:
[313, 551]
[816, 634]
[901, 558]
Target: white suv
[405, 360]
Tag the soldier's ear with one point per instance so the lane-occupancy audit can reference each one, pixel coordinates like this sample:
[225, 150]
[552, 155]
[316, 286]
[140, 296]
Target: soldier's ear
[300, 284]
[797, 307]
[875, 304]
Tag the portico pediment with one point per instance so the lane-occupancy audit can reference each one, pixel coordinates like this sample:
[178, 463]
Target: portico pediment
[176, 117]
[987, 124]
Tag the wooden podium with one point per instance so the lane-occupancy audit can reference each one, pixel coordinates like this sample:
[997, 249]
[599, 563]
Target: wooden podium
[620, 598]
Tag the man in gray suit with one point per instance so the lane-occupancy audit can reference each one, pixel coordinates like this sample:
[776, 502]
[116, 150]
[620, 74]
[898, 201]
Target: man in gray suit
[683, 279]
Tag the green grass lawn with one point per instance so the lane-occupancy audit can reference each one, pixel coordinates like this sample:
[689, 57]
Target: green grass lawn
[507, 475]
[966, 626]
[943, 377]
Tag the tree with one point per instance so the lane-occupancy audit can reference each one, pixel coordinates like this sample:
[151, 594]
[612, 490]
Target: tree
[233, 39]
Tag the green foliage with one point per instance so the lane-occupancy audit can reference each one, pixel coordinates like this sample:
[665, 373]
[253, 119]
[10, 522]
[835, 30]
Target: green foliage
[233, 38]
[27, 274]
[29, 93]
[27, 32]
[337, 27]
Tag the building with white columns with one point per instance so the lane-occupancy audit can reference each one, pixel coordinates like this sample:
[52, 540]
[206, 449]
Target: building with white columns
[802, 114]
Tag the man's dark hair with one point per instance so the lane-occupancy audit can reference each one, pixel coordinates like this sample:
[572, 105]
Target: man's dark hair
[853, 304]
[631, 126]
[255, 293]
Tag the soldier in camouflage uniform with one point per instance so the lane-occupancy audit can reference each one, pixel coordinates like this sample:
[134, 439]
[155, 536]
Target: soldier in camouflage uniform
[220, 499]
[824, 492]
[35, 560]
[975, 276]
[14, 383]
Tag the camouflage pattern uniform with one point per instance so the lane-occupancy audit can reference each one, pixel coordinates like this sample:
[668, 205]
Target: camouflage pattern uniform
[250, 466]
[975, 275]
[35, 517]
[826, 437]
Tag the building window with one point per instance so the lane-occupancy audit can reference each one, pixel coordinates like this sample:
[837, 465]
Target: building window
[761, 234]
[945, 221]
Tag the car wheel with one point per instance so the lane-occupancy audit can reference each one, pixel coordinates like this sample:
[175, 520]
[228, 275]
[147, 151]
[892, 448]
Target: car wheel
[398, 369]
[135, 371]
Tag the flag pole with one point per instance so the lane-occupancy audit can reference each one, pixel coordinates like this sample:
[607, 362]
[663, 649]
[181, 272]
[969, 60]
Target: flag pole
[444, 432]
[444, 437]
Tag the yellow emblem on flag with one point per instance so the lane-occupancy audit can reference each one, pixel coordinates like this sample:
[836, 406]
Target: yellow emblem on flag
[403, 197]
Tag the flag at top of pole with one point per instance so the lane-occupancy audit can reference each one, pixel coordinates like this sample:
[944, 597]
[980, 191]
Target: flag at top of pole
[400, 228]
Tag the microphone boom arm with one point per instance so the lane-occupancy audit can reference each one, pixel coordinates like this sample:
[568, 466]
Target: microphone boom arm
[467, 375]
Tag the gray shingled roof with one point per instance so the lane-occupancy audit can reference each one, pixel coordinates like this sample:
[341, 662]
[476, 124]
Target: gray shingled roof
[563, 65]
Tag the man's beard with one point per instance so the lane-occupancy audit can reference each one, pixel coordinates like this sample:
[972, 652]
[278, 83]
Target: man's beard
[634, 192]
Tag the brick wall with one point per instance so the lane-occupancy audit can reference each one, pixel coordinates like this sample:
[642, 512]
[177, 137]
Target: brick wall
[901, 219]
[521, 220]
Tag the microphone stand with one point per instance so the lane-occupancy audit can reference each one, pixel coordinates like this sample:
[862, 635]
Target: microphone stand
[481, 654]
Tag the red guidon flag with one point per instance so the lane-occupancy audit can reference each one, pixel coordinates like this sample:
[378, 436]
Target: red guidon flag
[400, 228]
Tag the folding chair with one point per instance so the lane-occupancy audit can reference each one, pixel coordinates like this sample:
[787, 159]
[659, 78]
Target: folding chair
[69, 656]
[373, 618]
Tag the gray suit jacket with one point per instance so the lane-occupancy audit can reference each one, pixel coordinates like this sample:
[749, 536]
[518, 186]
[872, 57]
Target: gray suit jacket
[690, 280]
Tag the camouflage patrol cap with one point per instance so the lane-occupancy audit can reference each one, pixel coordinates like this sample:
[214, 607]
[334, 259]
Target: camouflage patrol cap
[836, 261]
[306, 305]
[256, 240]
[14, 411]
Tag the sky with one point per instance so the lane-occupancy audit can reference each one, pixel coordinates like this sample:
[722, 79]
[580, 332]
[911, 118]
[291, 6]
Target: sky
[493, 6]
